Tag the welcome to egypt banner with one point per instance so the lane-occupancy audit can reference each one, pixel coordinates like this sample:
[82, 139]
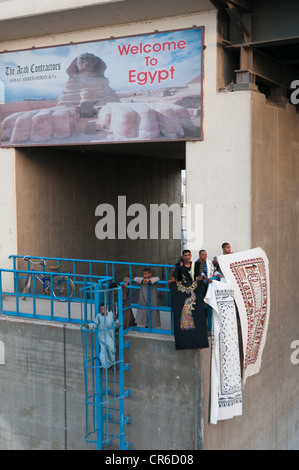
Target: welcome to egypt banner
[138, 88]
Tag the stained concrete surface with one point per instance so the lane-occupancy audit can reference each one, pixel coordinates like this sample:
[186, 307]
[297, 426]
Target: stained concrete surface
[42, 381]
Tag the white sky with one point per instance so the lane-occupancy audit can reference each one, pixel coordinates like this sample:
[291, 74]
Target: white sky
[187, 63]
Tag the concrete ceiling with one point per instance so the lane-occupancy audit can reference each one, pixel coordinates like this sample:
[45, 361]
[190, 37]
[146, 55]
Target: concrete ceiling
[109, 14]
[163, 149]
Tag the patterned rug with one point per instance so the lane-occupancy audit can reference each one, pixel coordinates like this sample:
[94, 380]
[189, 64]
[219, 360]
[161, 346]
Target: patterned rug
[249, 271]
[226, 384]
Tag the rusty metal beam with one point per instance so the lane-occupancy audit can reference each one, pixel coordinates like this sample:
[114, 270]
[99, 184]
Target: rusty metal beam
[238, 21]
[270, 42]
[243, 4]
[268, 70]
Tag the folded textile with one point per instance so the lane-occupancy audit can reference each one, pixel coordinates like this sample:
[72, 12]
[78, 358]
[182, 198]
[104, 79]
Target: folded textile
[226, 384]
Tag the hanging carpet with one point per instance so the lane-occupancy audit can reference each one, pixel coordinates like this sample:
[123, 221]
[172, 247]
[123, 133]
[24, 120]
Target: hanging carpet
[226, 384]
[190, 329]
[249, 271]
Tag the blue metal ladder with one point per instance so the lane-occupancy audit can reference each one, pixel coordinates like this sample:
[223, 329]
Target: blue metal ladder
[104, 387]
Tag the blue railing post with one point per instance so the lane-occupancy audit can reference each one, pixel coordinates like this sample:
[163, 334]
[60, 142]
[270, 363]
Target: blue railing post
[121, 369]
[149, 307]
[1, 299]
[99, 397]
[98, 370]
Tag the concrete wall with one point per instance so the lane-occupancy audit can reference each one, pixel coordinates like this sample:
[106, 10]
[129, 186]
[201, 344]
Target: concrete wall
[19, 8]
[219, 173]
[275, 216]
[7, 203]
[218, 169]
[165, 405]
[270, 398]
[35, 410]
[57, 192]
[8, 228]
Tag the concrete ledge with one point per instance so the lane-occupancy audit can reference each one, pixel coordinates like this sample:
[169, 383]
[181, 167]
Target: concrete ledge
[42, 381]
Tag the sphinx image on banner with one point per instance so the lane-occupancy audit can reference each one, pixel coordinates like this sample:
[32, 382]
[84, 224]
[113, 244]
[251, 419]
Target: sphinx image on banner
[249, 271]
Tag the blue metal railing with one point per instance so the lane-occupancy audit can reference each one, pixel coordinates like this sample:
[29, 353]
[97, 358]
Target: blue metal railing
[83, 273]
[104, 386]
[105, 392]
[31, 305]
